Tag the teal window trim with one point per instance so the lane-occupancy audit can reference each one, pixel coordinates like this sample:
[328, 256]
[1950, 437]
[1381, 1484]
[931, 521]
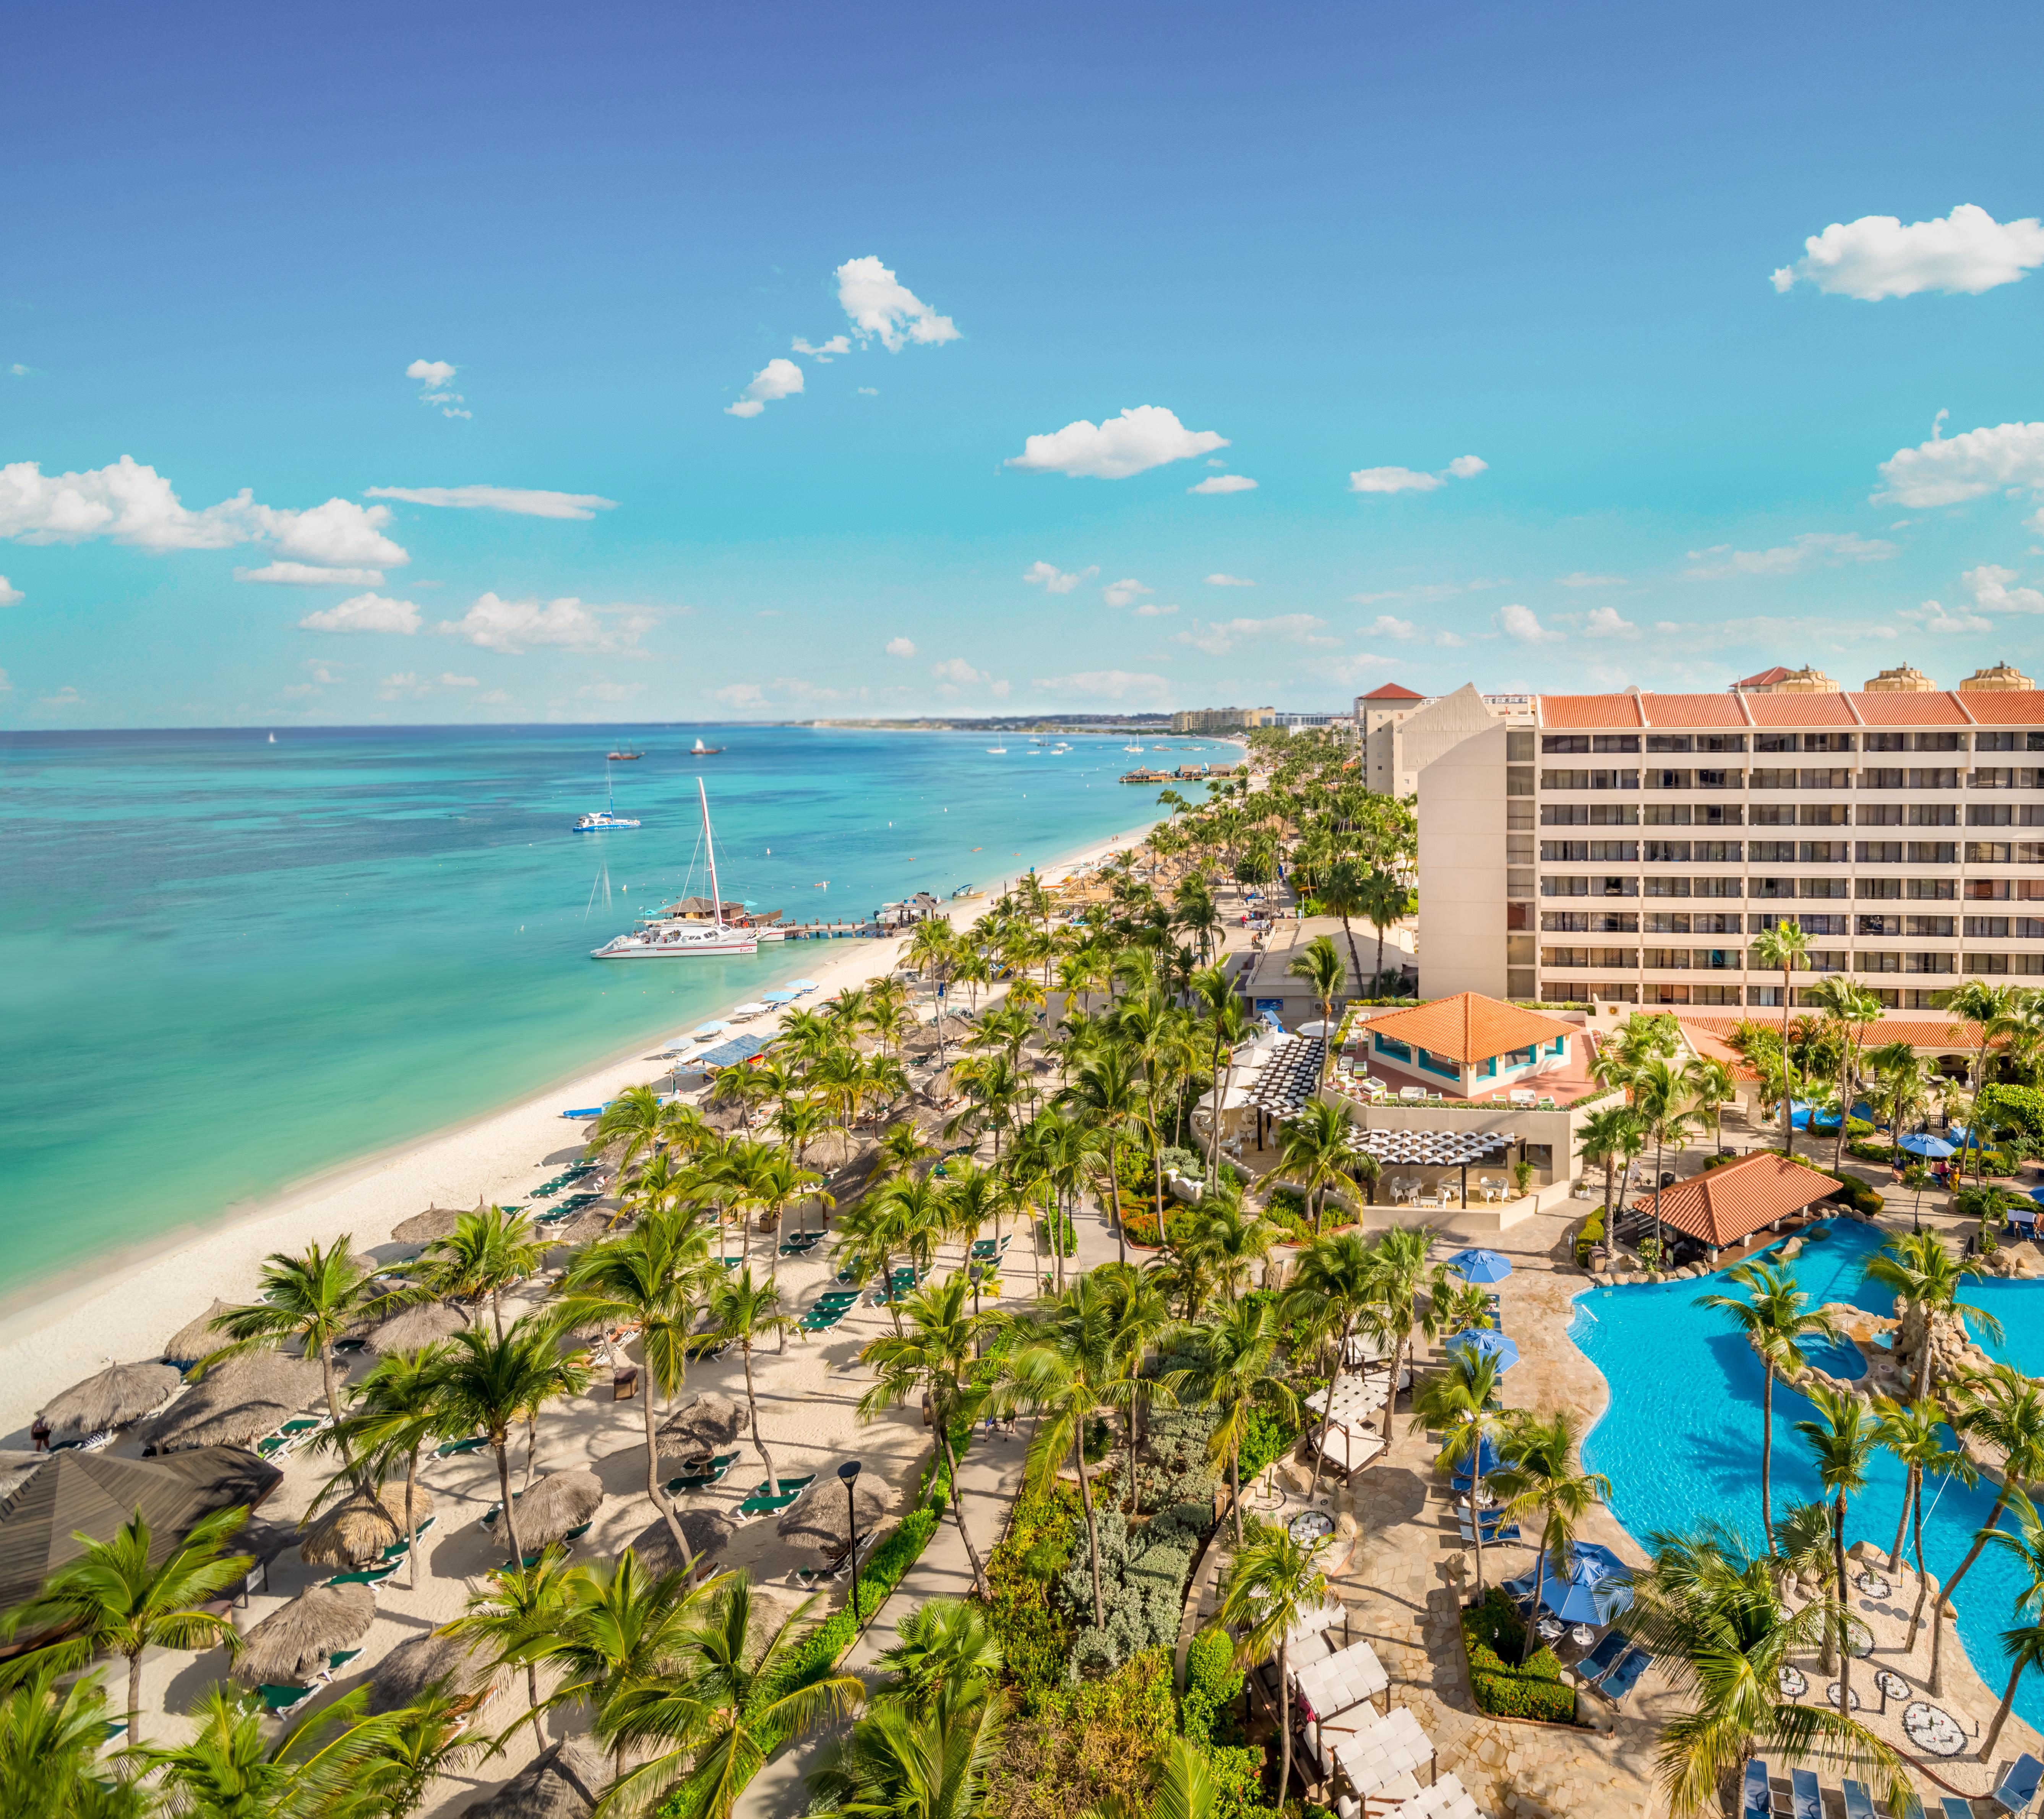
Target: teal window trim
[1391, 1045]
[1435, 1065]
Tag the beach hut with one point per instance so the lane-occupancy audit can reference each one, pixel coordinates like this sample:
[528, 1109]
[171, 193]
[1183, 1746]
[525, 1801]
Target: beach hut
[564, 1781]
[197, 1339]
[235, 1403]
[291, 1646]
[560, 1503]
[400, 1679]
[433, 1224]
[117, 1395]
[700, 1424]
[358, 1530]
[413, 1329]
[47, 1499]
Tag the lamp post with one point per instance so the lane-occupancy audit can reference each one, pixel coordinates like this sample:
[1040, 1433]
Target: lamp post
[848, 1472]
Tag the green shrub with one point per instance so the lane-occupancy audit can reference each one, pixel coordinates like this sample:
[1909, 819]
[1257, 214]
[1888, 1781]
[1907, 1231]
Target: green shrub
[2017, 1107]
[1043, 1241]
[1213, 1683]
[1268, 1438]
[1034, 1635]
[1238, 1775]
[1493, 1635]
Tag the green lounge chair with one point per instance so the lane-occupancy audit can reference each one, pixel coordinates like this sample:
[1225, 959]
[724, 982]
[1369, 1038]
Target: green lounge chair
[282, 1701]
[397, 1549]
[576, 1534]
[455, 1446]
[489, 1517]
[754, 1506]
[373, 1575]
[337, 1662]
[788, 1484]
[698, 1480]
[112, 1729]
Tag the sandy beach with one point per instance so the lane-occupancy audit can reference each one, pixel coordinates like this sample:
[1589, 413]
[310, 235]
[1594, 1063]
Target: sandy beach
[128, 1307]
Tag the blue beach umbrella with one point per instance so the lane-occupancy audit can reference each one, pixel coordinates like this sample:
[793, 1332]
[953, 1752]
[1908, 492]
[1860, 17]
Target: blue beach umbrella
[778, 997]
[1922, 1143]
[1486, 1461]
[1484, 1342]
[801, 985]
[1799, 1114]
[1598, 1584]
[1480, 1265]
[716, 1027]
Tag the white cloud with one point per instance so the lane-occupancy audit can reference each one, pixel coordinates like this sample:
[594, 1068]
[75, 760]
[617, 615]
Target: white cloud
[1991, 593]
[1875, 256]
[1219, 637]
[1604, 622]
[1145, 436]
[609, 691]
[1225, 483]
[1412, 479]
[955, 669]
[10, 595]
[1107, 685]
[869, 391]
[1052, 579]
[433, 376]
[1520, 622]
[323, 674]
[22, 372]
[1406, 632]
[522, 501]
[900, 647]
[1933, 618]
[1828, 549]
[66, 697]
[1349, 670]
[492, 623]
[1002, 690]
[741, 695]
[1946, 470]
[1121, 592]
[1229, 581]
[1579, 579]
[496, 697]
[365, 612]
[6, 687]
[405, 682]
[879, 303]
[823, 355]
[304, 574]
[778, 379]
[1149, 609]
[338, 534]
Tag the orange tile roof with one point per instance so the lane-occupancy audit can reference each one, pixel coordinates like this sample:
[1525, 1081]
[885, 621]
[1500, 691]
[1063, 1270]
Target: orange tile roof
[1393, 692]
[1736, 1201]
[1692, 710]
[1470, 1027]
[1917, 1032]
[1764, 677]
[1588, 710]
[1801, 711]
[1910, 710]
[2000, 708]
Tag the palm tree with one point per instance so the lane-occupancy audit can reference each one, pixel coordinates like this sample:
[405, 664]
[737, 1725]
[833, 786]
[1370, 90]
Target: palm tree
[1334, 1282]
[935, 1354]
[624, 1628]
[1996, 1009]
[1777, 1321]
[1914, 1433]
[1712, 1087]
[1539, 1475]
[488, 1251]
[1236, 1373]
[1853, 1008]
[1463, 1400]
[1400, 1277]
[2024, 1644]
[417, 1744]
[1138, 1319]
[1715, 1618]
[1609, 1134]
[1784, 945]
[634, 1119]
[1843, 1441]
[328, 1764]
[1901, 1085]
[731, 1701]
[742, 1310]
[944, 1641]
[1920, 1269]
[1222, 1241]
[519, 1616]
[652, 1278]
[2005, 1409]
[778, 1183]
[1386, 900]
[1319, 964]
[397, 1409]
[1315, 1151]
[111, 1600]
[1107, 1094]
[1273, 1581]
[50, 1739]
[1343, 892]
[928, 1760]
[491, 1384]
[1660, 1097]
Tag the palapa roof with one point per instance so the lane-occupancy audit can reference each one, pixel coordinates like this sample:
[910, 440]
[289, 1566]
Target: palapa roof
[237, 1403]
[289, 1646]
[412, 1329]
[434, 1223]
[1470, 1027]
[197, 1339]
[1727, 1204]
[47, 1498]
[821, 1520]
[355, 1531]
[708, 1532]
[702, 1423]
[114, 1397]
[402, 1676]
[563, 1782]
[560, 1501]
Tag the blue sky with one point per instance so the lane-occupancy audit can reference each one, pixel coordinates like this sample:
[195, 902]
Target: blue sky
[1482, 301]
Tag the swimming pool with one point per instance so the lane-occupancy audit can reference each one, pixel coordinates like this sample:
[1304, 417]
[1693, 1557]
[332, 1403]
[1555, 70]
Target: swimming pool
[1680, 1441]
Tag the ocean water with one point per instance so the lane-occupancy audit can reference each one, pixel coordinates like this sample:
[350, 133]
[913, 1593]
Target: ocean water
[1680, 1441]
[227, 963]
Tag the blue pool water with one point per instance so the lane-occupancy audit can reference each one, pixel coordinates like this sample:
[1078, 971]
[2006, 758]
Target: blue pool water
[1680, 1441]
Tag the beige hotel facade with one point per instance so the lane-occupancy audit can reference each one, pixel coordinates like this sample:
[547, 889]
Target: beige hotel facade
[1628, 848]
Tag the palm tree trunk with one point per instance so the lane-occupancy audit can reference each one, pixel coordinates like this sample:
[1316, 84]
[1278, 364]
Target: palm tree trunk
[1902, 1522]
[1540, 1592]
[1922, 1578]
[1391, 1388]
[532, 1701]
[503, 1491]
[758, 1439]
[653, 1491]
[1284, 1720]
[1845, 1605]
[1788, 1078]
[135, 1698]
[1354, 960]
[1377, 984]
[497, 1315]
[1114, 1198]
[2001, 1714]
[1966, 1565]
[1093, 1528]
[1334, 1387]
[411, 1523]
[1767, 1454]
[1235, 1489]
[958, 1507]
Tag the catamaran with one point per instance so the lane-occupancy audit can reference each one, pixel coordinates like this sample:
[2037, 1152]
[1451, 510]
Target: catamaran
[677, 940]
[604, 819]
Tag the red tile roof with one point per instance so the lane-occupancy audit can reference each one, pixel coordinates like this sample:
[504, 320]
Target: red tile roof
[1761, 681]
[1470, 1027]
[1910, 710]
[1585, 711]
[1392, 692]
[1999, 707]
[1801, 710]
[2004, 708]
[1736, 1201]
[1692, 710]
[1939, 1033]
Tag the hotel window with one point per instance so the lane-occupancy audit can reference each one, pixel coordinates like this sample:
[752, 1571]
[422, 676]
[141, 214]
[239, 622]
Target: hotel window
[1988, 927]
[1989, 852]
[1991, 964]
[1565, 743]
[1823, 924]
[1670, 779]
[1565, 922]
[1824, 779]
[1828, 742]
[1930, 925]
[1765, 888]
[1564, 887]
[1391, 1047]
[1669, 742]
[1987, 890]
[1880, 852]
[1665, 814]
[1616, 742]
[1931, 815]
[1933, 741]
[1667, 922]
[1777, 742]
[1934, 779]
[1774, 814]
[1879, 814]
[1718, 888]
[1886, 741]
[1876, 887]
[1614, 852]
[1717, 959]
[1716, 922]
[1664, 992]
[1717, 852]
[1714, 994]
[1666, 959]
[1931, 890]
[1990, 815]
[1718, 813]
[1622, 957]
[1667, 887]
[1823, 814]
[1996, 777]
[2030, 853]
[1562, 957]
[1934, 852]
[1720, 780]
[1763, 995]
[1997, 742]
[1931, 963]
[1878, 924]
[1773, 779]
[1883, 779]
[1565, 815]
[1667, 852]
[1563, 851]
[1772, 852]
[1866, 962]
[1826, 960]
[2030, 928]
[1823, 852]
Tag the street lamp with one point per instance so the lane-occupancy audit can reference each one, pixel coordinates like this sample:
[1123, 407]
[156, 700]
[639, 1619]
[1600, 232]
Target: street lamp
[849, 1473]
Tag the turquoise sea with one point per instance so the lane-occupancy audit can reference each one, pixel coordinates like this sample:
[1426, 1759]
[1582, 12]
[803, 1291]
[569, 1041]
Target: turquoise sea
[228, 964]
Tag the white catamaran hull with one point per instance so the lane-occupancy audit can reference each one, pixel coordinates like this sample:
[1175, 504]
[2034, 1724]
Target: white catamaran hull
[677, 944]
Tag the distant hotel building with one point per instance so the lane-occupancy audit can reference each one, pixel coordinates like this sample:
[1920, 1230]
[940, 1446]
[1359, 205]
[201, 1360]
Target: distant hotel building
[1222, 720]
[1628, 847]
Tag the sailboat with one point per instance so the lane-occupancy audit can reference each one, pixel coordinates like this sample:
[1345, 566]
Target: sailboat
[677, 940]
[604, 819]
[699, 749]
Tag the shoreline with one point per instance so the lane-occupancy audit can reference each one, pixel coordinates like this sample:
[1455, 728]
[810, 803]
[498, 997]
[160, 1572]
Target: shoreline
[123, 1304]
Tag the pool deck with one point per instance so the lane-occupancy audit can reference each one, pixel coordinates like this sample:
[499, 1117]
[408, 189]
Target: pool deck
[1406, 1575]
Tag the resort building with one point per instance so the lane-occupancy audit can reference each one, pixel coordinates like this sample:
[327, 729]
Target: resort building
[1628, 848]
[1402, 733]
[1723, 1207]
[1476, 1048]
[1221, 719]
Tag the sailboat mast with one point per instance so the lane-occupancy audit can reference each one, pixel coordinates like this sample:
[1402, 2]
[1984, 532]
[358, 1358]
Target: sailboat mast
[709, 846]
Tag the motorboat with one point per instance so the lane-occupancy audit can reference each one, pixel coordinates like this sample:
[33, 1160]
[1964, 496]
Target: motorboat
[998, 751]
[628, 756]
[603, 821]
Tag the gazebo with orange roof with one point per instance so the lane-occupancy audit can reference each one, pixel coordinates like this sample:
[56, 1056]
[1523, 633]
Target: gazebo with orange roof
[1724, 1206]
[1476, 1043]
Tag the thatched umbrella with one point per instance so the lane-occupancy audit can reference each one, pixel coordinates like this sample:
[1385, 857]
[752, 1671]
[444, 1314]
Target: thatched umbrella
[403, 1675]
[354, 1532]
[708, 1532]
[237, 1402]
[584, 1228]
[820, 1520]
[197, 1339]
[723, 1114]
[289, 1646]
[434, 1223]
[120, 1394]
[563, 1781]
[701, 1425]
[412, 1329]
[560, 1501]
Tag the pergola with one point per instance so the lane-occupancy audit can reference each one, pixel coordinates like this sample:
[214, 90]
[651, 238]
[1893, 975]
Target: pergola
[1432, 1149]
[1286, 1081]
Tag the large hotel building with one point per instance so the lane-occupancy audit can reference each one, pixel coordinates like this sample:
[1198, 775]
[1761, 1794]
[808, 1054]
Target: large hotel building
[1629, 847]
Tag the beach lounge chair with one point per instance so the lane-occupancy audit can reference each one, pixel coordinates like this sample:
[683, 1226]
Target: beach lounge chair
[1806, 1798]
[698, 1480]
[1859, 1803]
[1755, 1802]
[577, 1534]
[112, 1729]
[755, 1506]
[835, 1568]
[488, 1518]
[788, 1484]
[397, 1549]
[1491, 1535]
[454, 1446]
[1601, 1659]
[371, 1577]
[1954, 1808]
[336, 1663]
[2018, 1787]
[282, 1701]
[1625, 1676]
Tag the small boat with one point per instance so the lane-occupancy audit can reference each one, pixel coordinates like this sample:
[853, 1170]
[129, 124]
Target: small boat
[273, 738]
[602, 822]
[628, 756]
[998, 751]
[1131, 748]
[699, 749]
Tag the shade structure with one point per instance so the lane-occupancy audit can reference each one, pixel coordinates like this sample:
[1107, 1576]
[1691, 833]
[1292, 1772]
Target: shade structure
[708, 1533]
[1596, 1585]
[413, 1329]
[1923, 1143]
[714, 1027]
[355, 1531]
[403, 1675]
[1288, 1076]
[1485, 1343]
[564, 1781]
[289, 1646]
[801, 985]
[237, 1403]
[50, 1497]
[1432, 1149]
[778, 997]
[822, 1521]
[1732, 1202]
[197, 1339]
[1479, 1265]
[434, 1223]
[114, 1397]
[1486, 1460]
[585, 1228]
[700, 1424]
[560, 1501]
